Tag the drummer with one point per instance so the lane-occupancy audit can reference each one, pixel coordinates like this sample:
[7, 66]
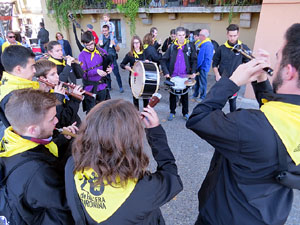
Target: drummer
[136, 53]
[180, 60]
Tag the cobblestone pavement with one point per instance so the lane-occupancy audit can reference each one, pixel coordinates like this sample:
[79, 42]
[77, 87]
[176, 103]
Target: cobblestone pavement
[192, 154]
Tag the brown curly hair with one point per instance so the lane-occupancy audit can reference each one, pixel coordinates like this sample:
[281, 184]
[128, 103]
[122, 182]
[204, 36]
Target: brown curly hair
[110, 141]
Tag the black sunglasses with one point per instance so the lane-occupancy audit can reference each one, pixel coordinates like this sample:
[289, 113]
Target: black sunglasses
[11, 36]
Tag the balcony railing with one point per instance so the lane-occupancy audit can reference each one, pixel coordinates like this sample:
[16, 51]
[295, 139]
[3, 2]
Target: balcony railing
[90, 4]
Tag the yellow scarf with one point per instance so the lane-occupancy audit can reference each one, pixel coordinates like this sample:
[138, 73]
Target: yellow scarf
[101, 201]
[196, 42]
[285, 119]
[136, 54]
[92, 53]
[10, 83]
[179, 46]
[145, 46]
[12, 144]
[57, 62]
[228, 46]
[206, 40]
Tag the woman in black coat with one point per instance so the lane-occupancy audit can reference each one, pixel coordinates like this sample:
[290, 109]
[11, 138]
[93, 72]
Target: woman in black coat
[136, 53]
[150, 51]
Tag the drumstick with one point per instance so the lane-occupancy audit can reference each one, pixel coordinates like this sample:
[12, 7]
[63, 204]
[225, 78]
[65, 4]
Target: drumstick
[135, 74]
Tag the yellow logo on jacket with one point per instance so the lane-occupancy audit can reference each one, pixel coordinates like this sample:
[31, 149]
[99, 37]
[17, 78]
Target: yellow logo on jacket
[100, 201]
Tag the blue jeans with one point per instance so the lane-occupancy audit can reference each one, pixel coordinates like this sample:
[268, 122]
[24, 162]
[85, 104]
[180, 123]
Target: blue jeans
[201, 84]
[117, 74]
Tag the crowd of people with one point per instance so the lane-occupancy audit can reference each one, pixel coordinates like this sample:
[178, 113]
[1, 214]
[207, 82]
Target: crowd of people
[57, 168]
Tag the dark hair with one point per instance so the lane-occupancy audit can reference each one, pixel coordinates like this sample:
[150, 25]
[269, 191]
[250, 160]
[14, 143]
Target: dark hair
[15, 55]
[105, 26]
[10, 32]
[172, 31]
[60, 35]
[30, 105]
[233, 27]
[42, 24]
[152, 30]
[148, 39]
[110, 141]
[291, 50]
[135, 37]
[187, 33]
[42, 67]
[180, 29]
[197, 32]
[87, 37]
[51, 45]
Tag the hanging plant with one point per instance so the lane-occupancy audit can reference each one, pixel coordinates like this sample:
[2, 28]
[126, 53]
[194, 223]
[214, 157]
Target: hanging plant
[130, 10]
[61, 10]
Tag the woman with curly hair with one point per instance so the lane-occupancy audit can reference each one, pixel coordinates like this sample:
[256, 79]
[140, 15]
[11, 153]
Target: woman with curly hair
[107, 181]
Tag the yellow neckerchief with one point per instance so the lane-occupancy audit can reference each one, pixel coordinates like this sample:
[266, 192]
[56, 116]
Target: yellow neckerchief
[136, 54]
[285, 119]
[6, 44]
[10, 83]
[206, 40]
[229, 46]
[179, 46]
[196, 42]
[57, 62]
[101, 201]
[92, 53]
[12, 144]
[145, 46]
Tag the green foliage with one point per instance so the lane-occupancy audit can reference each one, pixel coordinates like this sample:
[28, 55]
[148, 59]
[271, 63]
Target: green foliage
[130, 10]
[62, 8]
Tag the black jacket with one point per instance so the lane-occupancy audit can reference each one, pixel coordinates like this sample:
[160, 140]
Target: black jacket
[156, 45]
[241, 178]
[43, 36]
[166, 44]
[150, 192]
[152, 54]
[69, 73]
[67, 47]
[131, 60]
[227, 61]
[37, 188]
[169, 58]
[67, 112]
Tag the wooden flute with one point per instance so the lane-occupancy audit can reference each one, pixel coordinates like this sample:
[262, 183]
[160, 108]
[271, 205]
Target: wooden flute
[79, 97]
[65, 132]
[85, 93]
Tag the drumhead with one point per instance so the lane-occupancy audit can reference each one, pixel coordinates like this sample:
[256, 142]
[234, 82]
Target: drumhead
[143, 80]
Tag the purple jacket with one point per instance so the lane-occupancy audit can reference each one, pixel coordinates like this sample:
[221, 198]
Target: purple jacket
[92, 75]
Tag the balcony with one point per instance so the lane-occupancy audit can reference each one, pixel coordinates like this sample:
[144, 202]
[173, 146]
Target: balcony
[179, 6]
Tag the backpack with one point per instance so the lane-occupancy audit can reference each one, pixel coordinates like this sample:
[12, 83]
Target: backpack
[8, 213]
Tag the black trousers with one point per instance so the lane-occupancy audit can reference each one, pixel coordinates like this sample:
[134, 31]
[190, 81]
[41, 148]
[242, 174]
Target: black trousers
[89, 102]
[136, 102]
[184, 101]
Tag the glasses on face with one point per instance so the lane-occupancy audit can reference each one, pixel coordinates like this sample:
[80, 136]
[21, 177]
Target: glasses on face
[11, 36]
[136, 42]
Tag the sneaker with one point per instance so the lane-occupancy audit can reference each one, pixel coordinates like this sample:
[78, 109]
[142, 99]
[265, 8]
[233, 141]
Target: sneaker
[171, 117]
[186, 116]
[121, 90]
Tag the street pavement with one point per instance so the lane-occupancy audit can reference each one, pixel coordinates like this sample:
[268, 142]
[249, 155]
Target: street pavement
[192, 155]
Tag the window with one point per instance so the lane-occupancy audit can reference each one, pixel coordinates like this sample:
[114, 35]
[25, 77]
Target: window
[118, 33]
